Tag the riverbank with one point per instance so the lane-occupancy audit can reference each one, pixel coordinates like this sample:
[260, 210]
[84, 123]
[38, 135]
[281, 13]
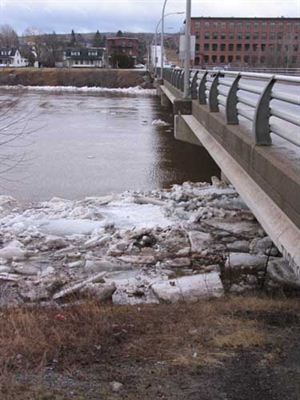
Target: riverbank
[107, 78]
[238, 348]
[174, 294]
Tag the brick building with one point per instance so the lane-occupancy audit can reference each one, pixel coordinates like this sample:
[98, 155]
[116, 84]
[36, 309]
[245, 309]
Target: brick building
[123, 45]
[242, 42]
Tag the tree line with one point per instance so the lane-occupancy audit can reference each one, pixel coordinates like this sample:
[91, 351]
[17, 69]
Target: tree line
[46, 47]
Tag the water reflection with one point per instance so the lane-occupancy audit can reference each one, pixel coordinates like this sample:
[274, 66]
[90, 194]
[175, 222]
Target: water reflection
[85, 145]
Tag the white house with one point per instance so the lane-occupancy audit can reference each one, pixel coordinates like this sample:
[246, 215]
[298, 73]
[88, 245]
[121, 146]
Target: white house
[92, 57]
[11, 57]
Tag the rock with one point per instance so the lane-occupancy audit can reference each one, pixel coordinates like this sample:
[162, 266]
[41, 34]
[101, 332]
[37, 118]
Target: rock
[25, 269]
[4, 268]
[97, 241]
[101, 292]
[199, 241]
[217, 182]
[55, 242]
[4, 276]
[239, 246]
[13, 251]
[242, 261]
[186, 251]
[178, 262]
[116, 386]
[144, 260]
[189, 288]
[281, 272]
[76, 264]
[47, 271]
[96, 265]
[237, 288]
[263, 246]
[236, 228]
[148, 200]
[75, 289]
[34, 294]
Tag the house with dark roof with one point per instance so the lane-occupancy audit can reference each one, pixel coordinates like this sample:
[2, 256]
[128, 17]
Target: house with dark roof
[11, 57]
[87, 57]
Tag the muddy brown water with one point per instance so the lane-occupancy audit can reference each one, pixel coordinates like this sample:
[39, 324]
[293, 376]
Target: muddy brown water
[74, 145]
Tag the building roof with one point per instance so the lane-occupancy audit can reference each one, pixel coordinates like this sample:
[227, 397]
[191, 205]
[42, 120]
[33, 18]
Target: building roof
[84, 53]
[251, 18]
[10, 50]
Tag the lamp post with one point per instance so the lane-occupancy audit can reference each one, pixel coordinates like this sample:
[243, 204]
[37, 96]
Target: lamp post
[155, 36]
[187, 56]
[162, 39]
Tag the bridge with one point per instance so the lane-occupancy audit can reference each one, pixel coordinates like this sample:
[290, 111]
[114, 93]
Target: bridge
[249, 123]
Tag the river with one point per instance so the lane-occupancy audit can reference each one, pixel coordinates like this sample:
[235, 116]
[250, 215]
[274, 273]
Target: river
[75, 144]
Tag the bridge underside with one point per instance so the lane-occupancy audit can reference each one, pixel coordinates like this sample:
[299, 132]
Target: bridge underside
[266, 177]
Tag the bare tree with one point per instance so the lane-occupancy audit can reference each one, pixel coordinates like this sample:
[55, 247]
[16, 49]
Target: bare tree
[13, 132]
[8, 36]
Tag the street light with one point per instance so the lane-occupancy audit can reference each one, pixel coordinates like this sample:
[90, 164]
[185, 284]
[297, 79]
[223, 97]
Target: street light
[162, 39]
[187, 56]
[155, 36]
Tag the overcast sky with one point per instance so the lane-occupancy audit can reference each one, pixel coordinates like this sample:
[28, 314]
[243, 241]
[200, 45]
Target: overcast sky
[128, 15]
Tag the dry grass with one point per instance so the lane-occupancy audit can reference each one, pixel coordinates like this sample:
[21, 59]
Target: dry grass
[70, 77]
[86, 334]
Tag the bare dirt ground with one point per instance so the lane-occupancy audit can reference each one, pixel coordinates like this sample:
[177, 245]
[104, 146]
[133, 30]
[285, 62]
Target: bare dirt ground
[71, 77]
[237, 348]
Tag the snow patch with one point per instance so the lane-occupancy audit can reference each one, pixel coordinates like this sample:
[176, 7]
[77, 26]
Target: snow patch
[160, 122]
[136, 90]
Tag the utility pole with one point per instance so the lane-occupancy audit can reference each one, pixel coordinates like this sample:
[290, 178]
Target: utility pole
[187, 56]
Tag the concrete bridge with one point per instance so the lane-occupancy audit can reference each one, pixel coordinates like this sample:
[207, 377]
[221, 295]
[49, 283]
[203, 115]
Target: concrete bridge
[249, 123]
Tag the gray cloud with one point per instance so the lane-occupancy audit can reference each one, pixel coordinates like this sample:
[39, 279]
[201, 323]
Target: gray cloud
[128, 15]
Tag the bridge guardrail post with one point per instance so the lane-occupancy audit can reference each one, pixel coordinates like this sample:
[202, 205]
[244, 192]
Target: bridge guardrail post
[202, 89]
[261, 121]
[231, 103]
[181, 87]
[173, 76]
[194, 85]
[178, 78]
[213, 95]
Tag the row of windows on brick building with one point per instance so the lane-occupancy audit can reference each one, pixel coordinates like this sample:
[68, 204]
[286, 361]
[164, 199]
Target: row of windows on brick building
[245, 47]
[248, 25]
[237, 59]
[248, 36]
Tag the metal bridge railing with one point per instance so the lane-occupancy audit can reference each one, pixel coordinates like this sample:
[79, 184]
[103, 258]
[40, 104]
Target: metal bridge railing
[270, 102]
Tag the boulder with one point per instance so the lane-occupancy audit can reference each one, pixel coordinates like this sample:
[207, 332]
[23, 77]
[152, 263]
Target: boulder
[99, 291]
[236, 228]
[26, 269]
[178, 262]
[143, 260]
[189, 288]
[73, 290]
[13, 251]
[263, 246]
[239, 246]
[199, 241]
[55, 242]
[240, 261]
[282, 273]
[98, 265]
